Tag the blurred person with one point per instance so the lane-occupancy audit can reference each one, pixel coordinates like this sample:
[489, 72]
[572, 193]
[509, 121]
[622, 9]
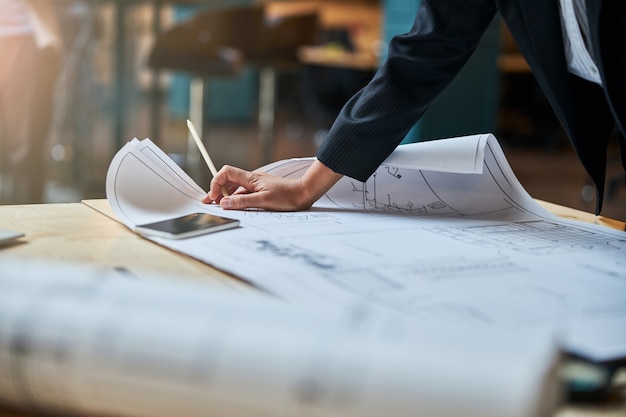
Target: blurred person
[30, 49]
[575, 48]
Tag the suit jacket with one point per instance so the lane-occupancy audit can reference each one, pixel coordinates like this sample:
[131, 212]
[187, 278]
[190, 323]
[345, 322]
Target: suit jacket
[422, 62]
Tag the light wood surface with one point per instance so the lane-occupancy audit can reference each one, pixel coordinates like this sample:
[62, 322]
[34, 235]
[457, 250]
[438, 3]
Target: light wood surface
[583, 216]
[78, 233]
[329, 57]
[86, 233]
[362, 21]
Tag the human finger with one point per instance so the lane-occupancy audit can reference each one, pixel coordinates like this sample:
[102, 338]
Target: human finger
[227, 180]
[261, 200]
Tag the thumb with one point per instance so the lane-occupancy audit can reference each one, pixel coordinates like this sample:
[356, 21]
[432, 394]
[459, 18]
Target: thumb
[234, 202]
[227, 203]
[245, 201]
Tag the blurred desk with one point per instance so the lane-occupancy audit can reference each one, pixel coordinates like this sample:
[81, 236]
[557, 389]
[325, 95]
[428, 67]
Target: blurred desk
[322, 56]
[78, 233]
[362, 22]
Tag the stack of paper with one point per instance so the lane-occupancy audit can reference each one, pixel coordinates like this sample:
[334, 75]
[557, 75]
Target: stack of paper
[81, 341]
[443, 232]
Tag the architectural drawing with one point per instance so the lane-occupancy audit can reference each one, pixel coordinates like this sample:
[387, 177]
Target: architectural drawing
[442, 231]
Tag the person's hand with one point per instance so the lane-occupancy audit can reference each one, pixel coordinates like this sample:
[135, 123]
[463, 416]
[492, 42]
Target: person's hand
[262, 190]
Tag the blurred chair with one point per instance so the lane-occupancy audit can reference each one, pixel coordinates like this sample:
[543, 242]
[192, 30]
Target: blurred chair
[220, 42]
[192, 48]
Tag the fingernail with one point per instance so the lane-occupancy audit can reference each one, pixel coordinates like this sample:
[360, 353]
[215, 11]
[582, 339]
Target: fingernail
[226, 203]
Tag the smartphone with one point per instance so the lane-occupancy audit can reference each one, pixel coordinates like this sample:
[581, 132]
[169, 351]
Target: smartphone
[186, 226]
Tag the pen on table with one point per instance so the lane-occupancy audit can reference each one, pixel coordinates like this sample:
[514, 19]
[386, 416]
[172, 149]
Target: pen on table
[203, 151]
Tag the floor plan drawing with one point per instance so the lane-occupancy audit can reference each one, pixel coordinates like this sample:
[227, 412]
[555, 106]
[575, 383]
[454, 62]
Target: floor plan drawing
[443, 232]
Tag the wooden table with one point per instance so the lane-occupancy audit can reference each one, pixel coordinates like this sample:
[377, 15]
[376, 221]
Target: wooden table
[81, 233]
[77, 233]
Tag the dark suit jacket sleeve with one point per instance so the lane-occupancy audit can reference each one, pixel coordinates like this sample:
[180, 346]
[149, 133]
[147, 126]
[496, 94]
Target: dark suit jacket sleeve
[419, 65]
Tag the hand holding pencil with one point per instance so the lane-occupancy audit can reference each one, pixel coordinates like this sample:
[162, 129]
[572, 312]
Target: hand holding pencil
[259, 189]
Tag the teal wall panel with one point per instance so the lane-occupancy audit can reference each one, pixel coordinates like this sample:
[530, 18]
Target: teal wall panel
[469, 104]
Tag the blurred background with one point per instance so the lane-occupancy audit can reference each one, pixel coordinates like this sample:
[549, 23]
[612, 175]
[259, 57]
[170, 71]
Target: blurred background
[263, 81]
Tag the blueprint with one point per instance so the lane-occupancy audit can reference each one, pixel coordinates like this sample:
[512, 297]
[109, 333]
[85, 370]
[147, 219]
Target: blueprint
[76, 340]
[442, 232]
